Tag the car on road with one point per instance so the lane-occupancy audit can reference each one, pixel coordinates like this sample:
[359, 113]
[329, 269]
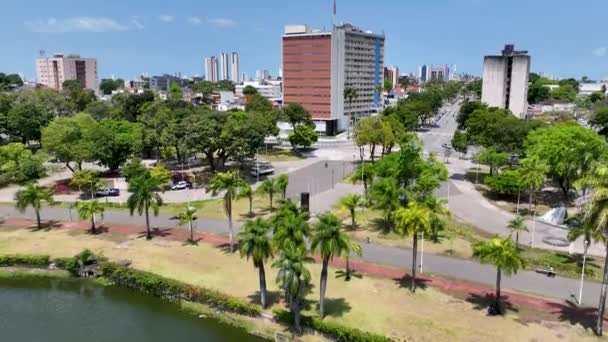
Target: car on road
[181, 185]
[262, 170]
[107, 192]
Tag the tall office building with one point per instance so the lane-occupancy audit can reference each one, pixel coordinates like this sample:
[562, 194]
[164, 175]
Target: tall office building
[211, 72]
[224, 67]
[319, 65]
[52, 71]
[505, 80]
[244, 77]
[234, 67]
[391, 73]
[422, 73]
[262, 74]
[438, 73]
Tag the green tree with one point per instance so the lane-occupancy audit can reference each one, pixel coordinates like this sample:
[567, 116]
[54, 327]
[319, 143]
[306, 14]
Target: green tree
[249, 90]
[532, 174]
[258, 103]
[503, 255]
[365, 174]
[255, 243]
[385, 196]
[161, 175]
[133, 168]
[175, 91]
[19, 165]
[294, 277]
[538, 93]
[411, 221]
[246, 191]
[32, 196]
[373, 131]
[329, 240]
[598, 96]
[269, 186]
[302, 135]
[565, 93]
[467, 108]
[281, 182]
[388, 86]
[460, 142]
[144, 197]
[516, 225]
[72, 139]
[116, 141]
[107, 85]
[494, 159]
[186, 217]
[497, 128]
[229, 183]
[290, 225]
[351, 202]
[87, 181]
[79, 97]
[507, 183]
[88, 210]
[350, 94]
[26, 117]
[599, 120]
[436, 206]
[9, 82]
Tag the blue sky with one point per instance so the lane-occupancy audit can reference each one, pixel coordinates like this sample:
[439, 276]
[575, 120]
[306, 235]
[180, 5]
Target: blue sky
[565, 37]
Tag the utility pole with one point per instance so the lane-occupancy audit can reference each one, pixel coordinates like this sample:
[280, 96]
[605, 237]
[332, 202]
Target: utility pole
[580, 292]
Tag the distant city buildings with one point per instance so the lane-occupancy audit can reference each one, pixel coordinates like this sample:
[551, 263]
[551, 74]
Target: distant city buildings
[422, 70]
[319, 65]
[234, 68]
[270, 89]
[244, 77]
[261, 75]
[163, 82]
[224, 73]
[505, 80]
[211, 70]
[51, 72]
[434, 73]
[391, 73]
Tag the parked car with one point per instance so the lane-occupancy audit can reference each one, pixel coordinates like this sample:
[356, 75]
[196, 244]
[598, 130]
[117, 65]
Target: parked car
[181, 185]
[262, 170]
[107, 192]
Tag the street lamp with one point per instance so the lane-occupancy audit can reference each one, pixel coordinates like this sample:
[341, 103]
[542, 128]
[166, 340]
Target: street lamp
[580, 291]
[421, 252]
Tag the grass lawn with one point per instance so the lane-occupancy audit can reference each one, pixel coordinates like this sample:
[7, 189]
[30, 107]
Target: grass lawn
[374, 304]
[279, 155]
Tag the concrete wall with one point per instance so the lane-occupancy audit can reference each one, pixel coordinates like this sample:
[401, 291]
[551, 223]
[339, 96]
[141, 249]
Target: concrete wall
[518, 99]
[493, 87]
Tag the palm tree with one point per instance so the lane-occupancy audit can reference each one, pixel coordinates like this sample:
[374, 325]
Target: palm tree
[247, 191]
[352, 247]
[533, 175]
[144, 197]
[516, 225]
[294, 277]
[350, 94]
[186, 217]
[596, 215]
[33, 195]
[385, 194]
[329, 240]
[351, 202]
[364, 174]
[281, 182]
[230, 183]
[87, 211]
[501, 253]
[255, 244]
[579, 227]
[289, 226]
[436, 206]
[269, 186]
[411, 221]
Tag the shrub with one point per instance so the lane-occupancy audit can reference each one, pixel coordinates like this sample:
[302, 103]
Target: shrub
[506, 183]
[174, 290]
[338, 332]
[25, 260]
[69, 264]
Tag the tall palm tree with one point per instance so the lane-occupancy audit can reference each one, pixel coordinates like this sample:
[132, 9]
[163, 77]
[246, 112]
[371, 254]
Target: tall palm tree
[351, 202]
[87, 211]
[329, 240]
[230, 183]
[186, 217]
[501, 253]
[532, 174]
[294, 277]
[269, 186]
[255, 243]
[411, 221]
[516, 225]
[436, 206]
[352, 247]
[350, 94]
[596, 215]
[144, 197]
[289, 226]
[282, 181]
[247, 191]
[32, 196]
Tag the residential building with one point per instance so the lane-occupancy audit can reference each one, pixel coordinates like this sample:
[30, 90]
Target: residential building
[438, 73]
[244, 77]
[319, 65]
[270, 89]
[262, 75]
[224, 73]
[163, 82]
[505, 80]
[234, 68]
[51, 72]
[135, 85]
[391, 73]
[585, 89]
[211, 70]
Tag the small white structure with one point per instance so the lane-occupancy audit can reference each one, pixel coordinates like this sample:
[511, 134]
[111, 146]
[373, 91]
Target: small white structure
[554, 216]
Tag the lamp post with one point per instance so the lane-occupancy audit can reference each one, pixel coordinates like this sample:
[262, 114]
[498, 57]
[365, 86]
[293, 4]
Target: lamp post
[421, 252]
[533, 226]
[580, 291]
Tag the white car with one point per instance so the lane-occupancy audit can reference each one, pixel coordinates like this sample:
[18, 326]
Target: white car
[262, 170]
[181, 185]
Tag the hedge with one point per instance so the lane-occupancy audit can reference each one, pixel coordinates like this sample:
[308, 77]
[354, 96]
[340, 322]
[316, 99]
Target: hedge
[25, 260]
[334, 330]
[156, 285]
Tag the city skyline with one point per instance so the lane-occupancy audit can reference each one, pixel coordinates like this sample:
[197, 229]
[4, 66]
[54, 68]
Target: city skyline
[138, 40]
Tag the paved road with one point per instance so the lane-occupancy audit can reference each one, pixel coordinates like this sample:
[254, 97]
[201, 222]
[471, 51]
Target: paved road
[560, 288]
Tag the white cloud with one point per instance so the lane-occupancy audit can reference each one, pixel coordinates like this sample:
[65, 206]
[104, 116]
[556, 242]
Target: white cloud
[222, 22]
[75, 24]
[136, 22]
[194, 21]
[166, 18]
[601, 51]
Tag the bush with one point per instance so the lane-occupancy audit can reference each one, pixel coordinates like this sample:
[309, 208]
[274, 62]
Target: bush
[174, 290]
[506, 183]
[69, 264]
[338, 332]
[25, 260]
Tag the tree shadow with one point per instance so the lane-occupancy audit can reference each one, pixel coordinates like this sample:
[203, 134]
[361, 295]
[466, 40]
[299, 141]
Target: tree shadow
[483, 302]
[381, 225]
[272, 298]
[99, 230]
[575, 314]
[45, 226]
[226, 248]
[335, 307]
[156, 232]
[189, 242]
[353, 274]
[248, 215]
[406, 282]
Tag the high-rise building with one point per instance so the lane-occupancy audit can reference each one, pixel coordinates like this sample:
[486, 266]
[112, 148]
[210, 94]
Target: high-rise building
[261, 75]
[505, 80]
[224, 67]
[391, 73]
[244, 77]
[319, 65]
[234, 67]
[422, 73]
[52, 71]
[438, 73]
[211, 70]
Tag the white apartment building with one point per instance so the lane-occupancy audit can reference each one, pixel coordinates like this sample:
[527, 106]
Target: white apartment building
[234, 68]
[51, 72]
[211, 69]
[224, 67]
[270, 89]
